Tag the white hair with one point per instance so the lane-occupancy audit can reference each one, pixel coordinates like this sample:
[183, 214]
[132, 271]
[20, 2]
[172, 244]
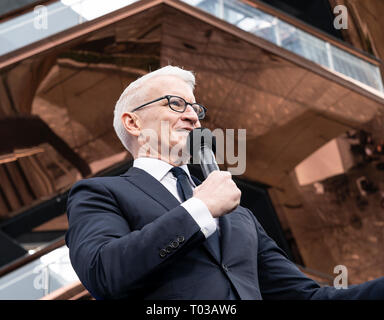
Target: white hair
[136, 91]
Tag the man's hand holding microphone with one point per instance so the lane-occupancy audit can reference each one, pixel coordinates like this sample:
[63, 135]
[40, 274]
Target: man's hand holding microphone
[218, 191]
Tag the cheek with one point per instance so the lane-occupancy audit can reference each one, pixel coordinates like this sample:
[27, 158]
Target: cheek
[152, 122]
[164, 126]
[178, 138]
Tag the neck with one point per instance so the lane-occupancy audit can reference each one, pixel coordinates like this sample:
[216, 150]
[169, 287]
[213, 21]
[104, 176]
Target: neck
[173, 158]
[175, 162]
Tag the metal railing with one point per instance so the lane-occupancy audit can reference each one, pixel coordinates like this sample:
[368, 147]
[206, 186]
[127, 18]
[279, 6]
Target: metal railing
[292, 38]
[48, 20]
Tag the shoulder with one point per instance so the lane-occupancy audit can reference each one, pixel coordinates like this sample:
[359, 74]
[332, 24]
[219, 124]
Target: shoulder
[97, 192]
[99, 186]
[248, 217]
[97, 183]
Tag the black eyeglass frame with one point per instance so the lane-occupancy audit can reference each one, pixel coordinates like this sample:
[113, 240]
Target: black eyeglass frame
[168, 97]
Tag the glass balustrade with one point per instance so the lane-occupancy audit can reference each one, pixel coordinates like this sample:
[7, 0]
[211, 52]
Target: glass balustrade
[39, 277]
[47, 20]
[268, 27]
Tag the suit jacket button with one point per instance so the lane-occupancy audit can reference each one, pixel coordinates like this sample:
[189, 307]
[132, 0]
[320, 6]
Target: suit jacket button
[163, 253]
[174, 244]
[225, 267]
[168, 249]
[180, 239]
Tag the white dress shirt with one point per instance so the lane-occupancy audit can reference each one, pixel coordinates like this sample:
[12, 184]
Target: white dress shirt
[159, 169]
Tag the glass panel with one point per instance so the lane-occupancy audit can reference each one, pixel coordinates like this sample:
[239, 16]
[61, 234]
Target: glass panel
[303, 43]
[356, 68]
[39, 277]
[48, 20]
[268, 27]
[28, 28]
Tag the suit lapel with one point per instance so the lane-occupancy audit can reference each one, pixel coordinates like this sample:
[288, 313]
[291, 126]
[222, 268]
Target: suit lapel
[225, 232]
[152, 187]
[225, 235]
[225, 238]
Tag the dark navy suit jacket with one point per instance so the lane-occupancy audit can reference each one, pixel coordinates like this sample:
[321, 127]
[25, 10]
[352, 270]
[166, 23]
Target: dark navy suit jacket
[129, 237]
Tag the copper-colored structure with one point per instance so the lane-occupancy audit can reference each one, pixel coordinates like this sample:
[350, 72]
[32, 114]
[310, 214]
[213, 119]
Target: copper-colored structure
[58, 96]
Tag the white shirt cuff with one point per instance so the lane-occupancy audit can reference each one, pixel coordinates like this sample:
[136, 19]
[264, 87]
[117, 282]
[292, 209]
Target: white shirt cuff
[200, 213]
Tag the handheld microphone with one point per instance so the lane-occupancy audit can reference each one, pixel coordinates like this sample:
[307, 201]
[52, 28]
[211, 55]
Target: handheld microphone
[202, 145]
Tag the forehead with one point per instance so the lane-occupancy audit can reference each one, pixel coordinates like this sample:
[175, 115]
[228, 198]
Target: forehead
[172, 85]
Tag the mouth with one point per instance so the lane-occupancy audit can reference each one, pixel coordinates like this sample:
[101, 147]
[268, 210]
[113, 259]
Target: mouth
[185, 129]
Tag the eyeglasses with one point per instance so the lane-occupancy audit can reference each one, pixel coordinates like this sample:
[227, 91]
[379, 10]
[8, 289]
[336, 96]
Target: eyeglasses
[178, 104]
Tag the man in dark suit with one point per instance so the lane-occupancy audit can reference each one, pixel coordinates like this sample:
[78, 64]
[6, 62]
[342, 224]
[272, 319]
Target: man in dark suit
[156, 232]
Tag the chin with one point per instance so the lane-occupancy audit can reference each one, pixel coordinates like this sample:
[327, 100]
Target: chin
[179, 137]
[180, 158]
[178, 150]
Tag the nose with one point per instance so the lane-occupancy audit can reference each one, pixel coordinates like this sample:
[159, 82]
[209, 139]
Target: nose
[190, 114]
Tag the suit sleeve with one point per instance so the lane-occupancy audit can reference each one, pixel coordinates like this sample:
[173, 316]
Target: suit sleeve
[279, 278]
[113, 261]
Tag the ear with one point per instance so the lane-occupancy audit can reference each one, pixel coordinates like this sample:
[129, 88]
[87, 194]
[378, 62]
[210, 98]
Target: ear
[131, 123]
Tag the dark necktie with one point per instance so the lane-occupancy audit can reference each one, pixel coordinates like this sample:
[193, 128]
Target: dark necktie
[185, 192]
[184, 188]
